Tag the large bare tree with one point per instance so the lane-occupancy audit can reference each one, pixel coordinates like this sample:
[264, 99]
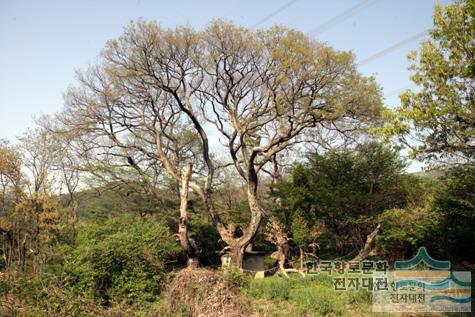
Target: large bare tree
[224, 97]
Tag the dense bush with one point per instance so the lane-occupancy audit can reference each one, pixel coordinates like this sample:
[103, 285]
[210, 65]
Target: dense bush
[209, 242]
[124, 258]
[445, 225]
[346, 191]
[454, 207]
[404, 231]
[41, 295]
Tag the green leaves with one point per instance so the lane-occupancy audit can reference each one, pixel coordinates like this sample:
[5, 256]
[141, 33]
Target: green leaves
[454, 205]
[124, 258]
[438, 121]
[345, 190]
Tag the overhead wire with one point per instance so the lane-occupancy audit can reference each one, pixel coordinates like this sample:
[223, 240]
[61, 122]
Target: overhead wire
[274, 13]
[392, 48]
[343, 16]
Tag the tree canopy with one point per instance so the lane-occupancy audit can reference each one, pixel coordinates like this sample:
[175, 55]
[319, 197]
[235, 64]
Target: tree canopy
[346, 191]
[438, 119]
[157, 96]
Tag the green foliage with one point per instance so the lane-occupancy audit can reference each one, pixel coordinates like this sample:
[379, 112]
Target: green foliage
[405, 230]
[209, 242]
[300, 230]
[361, 296]
[346, 190]
[35, 295]
[454, 206]
[445, 225]
[318, 301]
[115, 199]
[124, 258]
[441, 115]
[236, 277]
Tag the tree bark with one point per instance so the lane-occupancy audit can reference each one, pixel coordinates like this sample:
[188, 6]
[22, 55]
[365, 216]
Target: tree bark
[301, 258]
[281, 261]
[238, 245]
[188, 244]
[237, 254]
[364, 253]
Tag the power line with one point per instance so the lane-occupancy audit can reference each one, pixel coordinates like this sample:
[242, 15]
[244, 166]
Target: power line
[279, 10]
[392, 48]
[345, 15]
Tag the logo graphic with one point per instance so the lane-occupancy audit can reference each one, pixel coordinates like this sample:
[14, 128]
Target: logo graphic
[422, 256]
[432, 288]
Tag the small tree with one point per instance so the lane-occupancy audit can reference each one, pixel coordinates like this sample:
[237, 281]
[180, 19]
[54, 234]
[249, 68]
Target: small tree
[32, 218]
[12, 192]
[276, 234]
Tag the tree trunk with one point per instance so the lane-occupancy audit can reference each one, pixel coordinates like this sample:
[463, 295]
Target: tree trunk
[239, 246]
[363, 254]
[281, 261]
[236, 252]
[22, 249]
[188, 244]
[193, 262]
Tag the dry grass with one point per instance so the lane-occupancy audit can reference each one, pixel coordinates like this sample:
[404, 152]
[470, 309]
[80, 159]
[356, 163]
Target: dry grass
[203, 293]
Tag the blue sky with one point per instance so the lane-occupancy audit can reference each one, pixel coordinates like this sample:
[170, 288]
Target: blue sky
[43, 42]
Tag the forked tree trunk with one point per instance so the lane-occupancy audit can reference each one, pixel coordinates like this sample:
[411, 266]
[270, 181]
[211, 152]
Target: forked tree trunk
[188, 244]
[238, 245]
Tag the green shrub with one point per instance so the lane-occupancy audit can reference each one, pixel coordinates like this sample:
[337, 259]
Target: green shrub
[404, 232]
[454, 206]
[125, 258]
[38, 295]
[236, 277]
[209, 242]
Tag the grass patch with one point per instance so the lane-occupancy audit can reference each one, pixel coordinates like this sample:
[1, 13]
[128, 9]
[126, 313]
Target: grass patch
[272, 288]
[296, 296]
[318, 301]
[314, 296]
